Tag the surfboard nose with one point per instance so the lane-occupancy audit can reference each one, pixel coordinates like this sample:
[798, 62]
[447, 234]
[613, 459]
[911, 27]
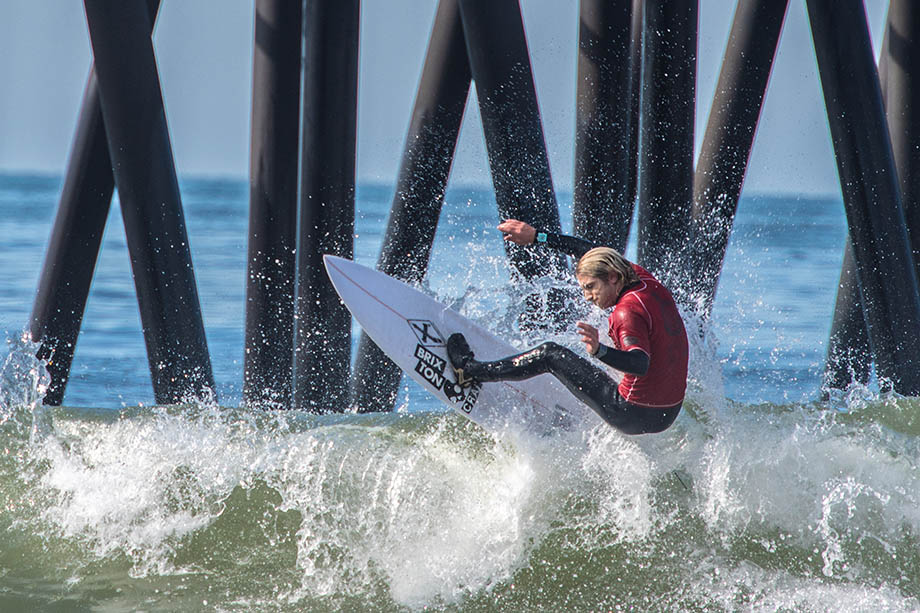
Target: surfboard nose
[341, 273]
[328, 258]
[333, 263]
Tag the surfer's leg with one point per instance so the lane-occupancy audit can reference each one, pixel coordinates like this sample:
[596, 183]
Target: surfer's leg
[588, 383]
[598, 390]
[512, 368]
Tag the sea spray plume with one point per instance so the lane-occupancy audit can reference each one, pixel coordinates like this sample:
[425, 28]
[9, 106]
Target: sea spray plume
[621, 475]
[835, 496]
[23, 378]
[23, 383]
[437, 513]
[138, 484]
[705, 381]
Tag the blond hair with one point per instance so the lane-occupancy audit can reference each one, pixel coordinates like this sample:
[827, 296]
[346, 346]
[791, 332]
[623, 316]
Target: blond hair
[601, 261]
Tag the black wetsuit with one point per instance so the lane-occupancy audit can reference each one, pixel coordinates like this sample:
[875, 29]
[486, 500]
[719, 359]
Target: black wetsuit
[588, 383]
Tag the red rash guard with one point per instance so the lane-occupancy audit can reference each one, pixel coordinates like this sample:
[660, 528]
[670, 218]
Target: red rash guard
[645, 318]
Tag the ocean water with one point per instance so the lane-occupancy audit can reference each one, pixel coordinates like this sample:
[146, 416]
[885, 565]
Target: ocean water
[761, 497]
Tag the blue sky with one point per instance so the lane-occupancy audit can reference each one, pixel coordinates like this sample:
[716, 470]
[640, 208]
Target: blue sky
[204, 55]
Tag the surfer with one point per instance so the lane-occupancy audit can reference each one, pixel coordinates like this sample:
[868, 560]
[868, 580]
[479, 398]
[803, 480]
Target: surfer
[650, 342]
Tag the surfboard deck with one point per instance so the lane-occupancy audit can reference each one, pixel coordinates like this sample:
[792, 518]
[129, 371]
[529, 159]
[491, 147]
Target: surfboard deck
[411, 328]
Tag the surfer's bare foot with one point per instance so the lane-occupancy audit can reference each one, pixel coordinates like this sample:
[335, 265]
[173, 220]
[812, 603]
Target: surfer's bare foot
[460, 355]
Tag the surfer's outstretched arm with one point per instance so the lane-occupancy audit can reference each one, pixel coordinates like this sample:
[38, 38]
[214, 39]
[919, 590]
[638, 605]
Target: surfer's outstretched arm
[522, 233]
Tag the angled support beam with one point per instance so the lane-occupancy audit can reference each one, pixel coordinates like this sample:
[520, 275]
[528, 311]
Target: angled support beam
[868, 178]
[635, 87]
[76, 236]
[848, 353]
[500, 63]
[902, 101]
[729, 138]
[427, 157]
[145, 174]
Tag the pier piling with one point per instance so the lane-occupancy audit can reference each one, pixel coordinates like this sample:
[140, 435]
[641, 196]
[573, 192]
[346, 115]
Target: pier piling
[605, 161]
[322, 356]
[849, 354]
[902, 103]
[666, 151]
[268, 365]
[76, 236]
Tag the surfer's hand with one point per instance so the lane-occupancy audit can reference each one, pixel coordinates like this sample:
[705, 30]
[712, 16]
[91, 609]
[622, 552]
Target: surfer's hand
[518, 232]
[589, 336]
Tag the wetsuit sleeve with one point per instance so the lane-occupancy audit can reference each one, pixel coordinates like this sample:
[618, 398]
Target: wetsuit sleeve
[629, 330]
[634, 362]
[569, 245]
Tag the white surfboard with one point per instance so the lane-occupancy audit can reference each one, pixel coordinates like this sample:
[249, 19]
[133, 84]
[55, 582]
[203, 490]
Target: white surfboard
[411, 328]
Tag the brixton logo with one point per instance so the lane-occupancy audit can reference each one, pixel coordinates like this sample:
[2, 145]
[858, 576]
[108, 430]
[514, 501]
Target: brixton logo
[426, 333]
[430, 366]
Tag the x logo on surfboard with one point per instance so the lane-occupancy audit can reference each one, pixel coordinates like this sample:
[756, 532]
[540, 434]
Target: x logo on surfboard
[426, 332]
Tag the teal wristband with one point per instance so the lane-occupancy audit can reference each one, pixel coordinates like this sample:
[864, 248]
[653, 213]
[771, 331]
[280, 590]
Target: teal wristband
[601, 351]
[541, 237]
